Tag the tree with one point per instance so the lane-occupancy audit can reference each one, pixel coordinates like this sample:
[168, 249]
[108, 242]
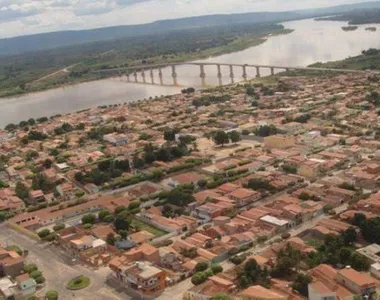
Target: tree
[111, 239]
[201, 266]
[47, 163]
[349, 236]
[123, 234]
[88, 219]
[43, 233]
[59, 226]
[10, 127]
[121, 224]
[51, 295]
[266, 130]
[301, 284]
[198, 278]
[169, 134]
[109, 218]
[216, 268]
[102, 214]
[21, 191]
[29, 268]
[221, 138]
[234, 136]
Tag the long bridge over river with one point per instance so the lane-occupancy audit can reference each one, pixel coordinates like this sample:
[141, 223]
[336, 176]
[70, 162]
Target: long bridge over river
[143, 70]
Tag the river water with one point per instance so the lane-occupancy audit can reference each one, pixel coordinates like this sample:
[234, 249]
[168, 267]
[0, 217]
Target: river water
[310, 42]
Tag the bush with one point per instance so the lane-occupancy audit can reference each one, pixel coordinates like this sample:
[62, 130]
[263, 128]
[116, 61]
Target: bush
[35, 274]
[201, 266]
[198, 278]
[51, 295]
[44, 233]
[30, 268]
[59, 227]
[216, 268]
[237, 259]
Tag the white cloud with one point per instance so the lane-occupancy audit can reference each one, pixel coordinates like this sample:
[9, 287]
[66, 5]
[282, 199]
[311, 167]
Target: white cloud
[33, 16]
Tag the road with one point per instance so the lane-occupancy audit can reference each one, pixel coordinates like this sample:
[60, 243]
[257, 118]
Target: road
[57, 272]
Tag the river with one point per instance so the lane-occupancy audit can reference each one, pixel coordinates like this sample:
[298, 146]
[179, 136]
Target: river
[310, 42]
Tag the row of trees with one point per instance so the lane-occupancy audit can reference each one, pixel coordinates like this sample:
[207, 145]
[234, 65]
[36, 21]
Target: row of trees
[104, 171]
[222, 138]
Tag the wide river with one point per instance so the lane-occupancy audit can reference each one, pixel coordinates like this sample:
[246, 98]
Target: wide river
[310, 42]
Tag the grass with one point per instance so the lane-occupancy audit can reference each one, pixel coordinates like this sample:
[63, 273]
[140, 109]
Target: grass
[78, 283]
[147, 227]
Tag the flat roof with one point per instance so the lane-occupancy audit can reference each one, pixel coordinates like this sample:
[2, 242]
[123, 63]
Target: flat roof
[274, 220]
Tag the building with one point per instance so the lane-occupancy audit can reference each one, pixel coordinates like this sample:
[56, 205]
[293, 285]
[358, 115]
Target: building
[279, 141]
[372, 252]
[359, 283]
[207, 289]
[243, 196]
[11, 264]
[319, 291]
[258, 292]
[116, 139]
[140, 276]
[4, 136]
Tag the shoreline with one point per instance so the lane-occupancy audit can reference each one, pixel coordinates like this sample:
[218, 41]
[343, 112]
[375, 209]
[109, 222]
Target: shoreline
[240, 44]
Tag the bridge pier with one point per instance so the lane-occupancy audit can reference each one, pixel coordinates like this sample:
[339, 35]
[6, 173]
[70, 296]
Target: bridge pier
[202, 69]
[258, 75]
[151, 76]
[287, 69]
[160, 76]
[272, 71]
[128, 79]
[174, 75]
[143, 75]
[219, 71]
[135, 75]
[245, 72]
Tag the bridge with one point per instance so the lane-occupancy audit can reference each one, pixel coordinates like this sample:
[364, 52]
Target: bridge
[144, 69]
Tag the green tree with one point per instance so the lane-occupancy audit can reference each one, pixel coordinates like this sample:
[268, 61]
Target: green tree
[201, 266]
[349, 236]
[301, 284]
[234, 136]
[51, 295]
[102, 214]
[21, 191]
[216, 268]
[88, 219]
[121, 224]
[111, 239]
[198, 278]
[44, 233]
[221, 138]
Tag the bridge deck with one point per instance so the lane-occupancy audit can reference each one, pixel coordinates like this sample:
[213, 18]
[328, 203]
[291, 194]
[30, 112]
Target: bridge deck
[160, 66]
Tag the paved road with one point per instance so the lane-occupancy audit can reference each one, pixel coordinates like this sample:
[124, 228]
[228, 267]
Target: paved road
[57, 272]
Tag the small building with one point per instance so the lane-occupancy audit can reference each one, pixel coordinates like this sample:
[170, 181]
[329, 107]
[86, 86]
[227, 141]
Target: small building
[359, 283]
[258, 292]
[116, 139]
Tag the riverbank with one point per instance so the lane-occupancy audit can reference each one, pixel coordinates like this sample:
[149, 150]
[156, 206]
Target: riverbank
[64, 79]
[368, 60]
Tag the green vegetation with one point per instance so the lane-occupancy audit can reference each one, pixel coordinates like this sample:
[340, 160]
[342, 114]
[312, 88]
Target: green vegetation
[78, 283]
[51, 295]
[135, 223]
[25, 73]
[357, 17]
[368, 60]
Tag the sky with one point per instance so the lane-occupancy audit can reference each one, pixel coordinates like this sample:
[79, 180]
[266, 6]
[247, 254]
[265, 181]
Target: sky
[23, 17]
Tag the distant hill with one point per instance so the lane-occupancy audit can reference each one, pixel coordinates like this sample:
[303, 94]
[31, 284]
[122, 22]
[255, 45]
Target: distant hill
[51, 40]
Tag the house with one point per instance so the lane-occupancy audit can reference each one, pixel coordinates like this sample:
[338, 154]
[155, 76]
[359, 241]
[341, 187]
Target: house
[116, 139]
[359, 283]
[26, 284]
[145, 252]
[4, 136]
[141, 237]
[258, 292]
[36, 197]
[141, 276]
[66, 190]
[11, 264]
[207, 289]
[319, 291]
[243, 196]
[279, 141]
